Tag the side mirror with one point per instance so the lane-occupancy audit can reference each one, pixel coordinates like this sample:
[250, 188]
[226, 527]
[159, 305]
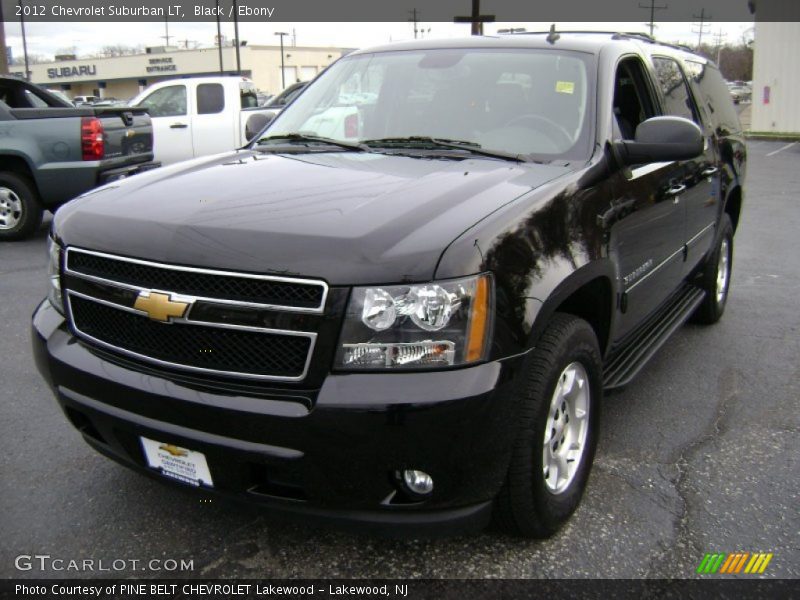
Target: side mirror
[255, 125]
[662, 139]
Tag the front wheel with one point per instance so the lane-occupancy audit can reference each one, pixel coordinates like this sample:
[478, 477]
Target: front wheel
[557, 434]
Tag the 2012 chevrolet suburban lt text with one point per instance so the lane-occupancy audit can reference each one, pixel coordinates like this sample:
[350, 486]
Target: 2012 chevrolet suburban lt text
[402, 302]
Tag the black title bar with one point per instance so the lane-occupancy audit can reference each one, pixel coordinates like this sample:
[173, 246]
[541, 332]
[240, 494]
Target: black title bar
[392, 10]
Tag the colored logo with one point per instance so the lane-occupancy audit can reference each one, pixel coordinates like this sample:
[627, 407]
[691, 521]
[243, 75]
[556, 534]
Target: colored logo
[174, 450]
[160, 307]
[735, 563]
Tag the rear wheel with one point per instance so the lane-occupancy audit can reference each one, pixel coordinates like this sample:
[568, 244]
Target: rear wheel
[20, 209]
[715, 279]
[557, 434]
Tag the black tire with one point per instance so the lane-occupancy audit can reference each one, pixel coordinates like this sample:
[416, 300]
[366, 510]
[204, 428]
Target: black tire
[712, 308]
[24, 221]
[525, 505]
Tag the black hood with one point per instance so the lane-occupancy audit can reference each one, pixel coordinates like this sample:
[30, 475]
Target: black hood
[346, 217]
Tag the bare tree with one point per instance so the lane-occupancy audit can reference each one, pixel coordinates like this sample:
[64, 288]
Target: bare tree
[33, 59]
[115, 50]
[735, 61]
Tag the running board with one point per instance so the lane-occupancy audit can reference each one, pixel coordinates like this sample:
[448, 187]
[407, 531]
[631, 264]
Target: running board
[627, 363]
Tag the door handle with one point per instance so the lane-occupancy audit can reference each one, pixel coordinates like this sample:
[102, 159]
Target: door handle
[676, 189]
[178, 126]
[709, 171]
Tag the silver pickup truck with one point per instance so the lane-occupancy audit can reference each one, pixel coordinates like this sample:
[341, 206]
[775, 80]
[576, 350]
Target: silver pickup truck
[51, 152]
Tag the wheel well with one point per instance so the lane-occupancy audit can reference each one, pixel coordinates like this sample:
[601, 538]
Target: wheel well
[17, 165]
[733, 206]
[592, 302]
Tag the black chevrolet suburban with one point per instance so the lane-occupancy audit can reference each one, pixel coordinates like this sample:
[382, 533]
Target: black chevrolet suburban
[401, 304]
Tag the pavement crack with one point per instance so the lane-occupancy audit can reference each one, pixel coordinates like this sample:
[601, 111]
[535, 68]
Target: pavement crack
[729, 386]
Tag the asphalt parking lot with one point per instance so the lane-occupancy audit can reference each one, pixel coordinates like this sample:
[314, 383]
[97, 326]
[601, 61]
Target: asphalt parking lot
[699, 454]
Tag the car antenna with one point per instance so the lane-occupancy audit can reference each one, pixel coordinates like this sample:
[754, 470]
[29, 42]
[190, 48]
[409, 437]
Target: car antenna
[553, 36]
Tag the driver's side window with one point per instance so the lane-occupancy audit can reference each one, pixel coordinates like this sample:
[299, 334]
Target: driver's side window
[633, 102]
[167, 102]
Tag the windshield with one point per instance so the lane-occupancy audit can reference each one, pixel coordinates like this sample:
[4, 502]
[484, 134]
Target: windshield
[534, 103]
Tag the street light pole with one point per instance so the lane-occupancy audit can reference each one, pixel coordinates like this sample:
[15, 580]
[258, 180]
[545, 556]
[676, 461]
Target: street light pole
[236, 33]
[219, 40]
[24, 41]
[283, 69]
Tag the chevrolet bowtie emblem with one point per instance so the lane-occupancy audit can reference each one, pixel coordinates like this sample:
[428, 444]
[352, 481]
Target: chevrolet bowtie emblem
[160, 307]
[174, 450]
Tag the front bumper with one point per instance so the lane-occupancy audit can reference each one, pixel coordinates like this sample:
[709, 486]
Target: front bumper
[331, 452]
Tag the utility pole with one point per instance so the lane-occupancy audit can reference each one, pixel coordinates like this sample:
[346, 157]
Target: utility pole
[719, 37]
[167, 36]
[236, 35]
[219, 40]
[414, 20]
[283, 70]
[4, 56]
[24, 41]
[704, 19]
[476, 18]
[652, 7]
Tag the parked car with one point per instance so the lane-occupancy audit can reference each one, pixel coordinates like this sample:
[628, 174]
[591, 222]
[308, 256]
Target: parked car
[199, 116]
[740, 93]
[263, 98]
[61, 96]
[277, 103]
[84, 100]
[412, 323]
[51, 151]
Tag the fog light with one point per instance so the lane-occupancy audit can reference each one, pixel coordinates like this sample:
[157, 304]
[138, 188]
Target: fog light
[418, 482]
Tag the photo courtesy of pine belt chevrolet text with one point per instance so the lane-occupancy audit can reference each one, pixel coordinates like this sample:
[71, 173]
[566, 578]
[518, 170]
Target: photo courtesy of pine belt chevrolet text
[401, 303]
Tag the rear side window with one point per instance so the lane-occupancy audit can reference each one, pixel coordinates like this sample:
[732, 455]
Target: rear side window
[248, 95]
[168, 101]
[678, 99]
[210, 98]
[716, 96]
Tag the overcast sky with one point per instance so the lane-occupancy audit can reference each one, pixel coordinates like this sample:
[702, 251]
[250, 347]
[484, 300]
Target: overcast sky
[50, 38]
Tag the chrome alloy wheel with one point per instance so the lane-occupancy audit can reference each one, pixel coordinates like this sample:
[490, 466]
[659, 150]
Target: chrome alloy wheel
[567, 428]
[10, 208]
[723, 270]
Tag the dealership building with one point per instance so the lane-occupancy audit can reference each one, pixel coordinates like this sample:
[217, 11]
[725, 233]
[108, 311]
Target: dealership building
[776, 76]
[123, 77]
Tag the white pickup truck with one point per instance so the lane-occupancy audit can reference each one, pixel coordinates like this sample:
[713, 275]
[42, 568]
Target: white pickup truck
[199, 116]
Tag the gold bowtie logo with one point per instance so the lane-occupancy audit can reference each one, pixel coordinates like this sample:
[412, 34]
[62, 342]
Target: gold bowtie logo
[160, 307]
[174, 450]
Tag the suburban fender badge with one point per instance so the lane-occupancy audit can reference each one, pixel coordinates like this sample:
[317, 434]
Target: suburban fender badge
[160, 307]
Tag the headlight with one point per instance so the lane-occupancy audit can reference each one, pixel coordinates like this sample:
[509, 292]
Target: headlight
[53, 265]
[431, 325]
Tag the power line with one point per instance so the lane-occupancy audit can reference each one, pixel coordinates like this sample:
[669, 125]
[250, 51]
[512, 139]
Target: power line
[653, 7]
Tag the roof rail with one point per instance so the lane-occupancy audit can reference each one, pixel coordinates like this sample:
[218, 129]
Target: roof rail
[618, 35]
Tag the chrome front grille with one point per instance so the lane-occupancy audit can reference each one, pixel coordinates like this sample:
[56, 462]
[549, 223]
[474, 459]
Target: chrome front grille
[217, 323]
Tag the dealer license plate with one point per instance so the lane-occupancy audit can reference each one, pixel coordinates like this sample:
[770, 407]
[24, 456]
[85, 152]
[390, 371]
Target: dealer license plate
[184, 465]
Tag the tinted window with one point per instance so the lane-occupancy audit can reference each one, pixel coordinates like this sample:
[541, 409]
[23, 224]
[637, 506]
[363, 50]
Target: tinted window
[248, 95]
[715, 94]
[210, 98]
[166, 102]
[678, 100]
[633, 102]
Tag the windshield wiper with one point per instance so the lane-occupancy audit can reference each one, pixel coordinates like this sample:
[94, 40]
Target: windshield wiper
[302, 137]
[472, 147]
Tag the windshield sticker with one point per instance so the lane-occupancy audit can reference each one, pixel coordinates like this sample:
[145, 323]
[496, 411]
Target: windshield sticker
[565, 87]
